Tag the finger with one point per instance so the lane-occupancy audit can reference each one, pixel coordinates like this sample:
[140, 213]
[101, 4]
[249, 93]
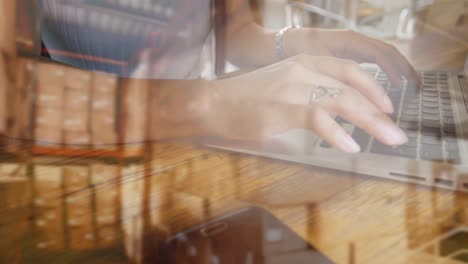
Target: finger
[365, 49]
[355, 108]
[326, 128]
[404, 66]
[372, 54]
[352, 74]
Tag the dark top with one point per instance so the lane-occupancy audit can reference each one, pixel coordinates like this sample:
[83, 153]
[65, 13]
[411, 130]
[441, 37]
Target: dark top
[111, 35]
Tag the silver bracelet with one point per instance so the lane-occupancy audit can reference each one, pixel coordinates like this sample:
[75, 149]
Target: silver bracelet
[279, 42]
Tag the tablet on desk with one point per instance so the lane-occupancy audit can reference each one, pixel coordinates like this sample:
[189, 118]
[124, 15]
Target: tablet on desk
[247, 236]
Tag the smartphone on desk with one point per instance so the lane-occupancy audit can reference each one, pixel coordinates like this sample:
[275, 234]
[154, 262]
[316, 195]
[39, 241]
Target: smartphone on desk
[247, 236]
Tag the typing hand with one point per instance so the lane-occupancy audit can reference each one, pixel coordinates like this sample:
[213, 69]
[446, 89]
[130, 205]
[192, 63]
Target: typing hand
[303, 92]
[348, 44]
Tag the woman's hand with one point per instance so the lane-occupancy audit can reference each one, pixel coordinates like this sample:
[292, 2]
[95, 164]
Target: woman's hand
[348, 44]
[290, 94]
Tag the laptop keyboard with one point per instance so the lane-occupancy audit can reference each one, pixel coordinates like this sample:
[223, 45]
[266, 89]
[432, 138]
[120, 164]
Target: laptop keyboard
[425, 113]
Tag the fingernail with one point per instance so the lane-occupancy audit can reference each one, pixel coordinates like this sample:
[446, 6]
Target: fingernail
[388, 105]
[349, 145]
[395, 136]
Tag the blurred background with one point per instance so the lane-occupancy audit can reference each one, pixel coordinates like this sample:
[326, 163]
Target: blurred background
[430, 32]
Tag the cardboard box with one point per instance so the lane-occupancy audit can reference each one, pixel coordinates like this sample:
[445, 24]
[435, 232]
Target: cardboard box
[8, 27]
[48, 136]
[135, 126]
[76, 121]
[107, 218]
[77, 139]
[75, 178]
[79, 215]
[103, 131]
[103, 173]
[103, 121]
[79, 207]
[135, 94]
[51, 73]
[77, 100]
[13, 234]
[104, 140]
[103, 111]
[77, 79]
[82, 238]
[103, 102]
[50, 95]
[106, 205]
[79, 220]
[48, 182]
[104, 92]
[49, 230]
[49, 117]
[104, 83]
[15, 221]
[15, 217]
[105, 177]
[107, 236]
[50, 85]
[12, 169]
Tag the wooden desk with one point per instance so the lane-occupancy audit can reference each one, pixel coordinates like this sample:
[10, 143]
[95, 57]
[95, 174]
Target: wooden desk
[351, 218]
[379, 221]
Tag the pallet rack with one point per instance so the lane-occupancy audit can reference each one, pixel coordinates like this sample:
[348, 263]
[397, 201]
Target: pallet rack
[31, 155]
[30, 48]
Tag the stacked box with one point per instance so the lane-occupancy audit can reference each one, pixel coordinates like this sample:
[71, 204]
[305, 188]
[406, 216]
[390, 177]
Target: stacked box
[49, 104]
[12, 169]
[76, 108]
[48, 208]
[49, 228]
[75, 178]
[104, 178]
[62, 106]
[135, 107]
[107, 236]
[14, 223]
[48, 185]
[79, 221]
[103, 111]
[131, 211]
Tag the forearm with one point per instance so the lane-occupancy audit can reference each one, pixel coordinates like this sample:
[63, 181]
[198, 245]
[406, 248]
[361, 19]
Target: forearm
[247, 43]
[180, 108]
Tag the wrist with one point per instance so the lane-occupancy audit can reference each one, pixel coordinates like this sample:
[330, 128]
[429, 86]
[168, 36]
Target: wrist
[298, 41]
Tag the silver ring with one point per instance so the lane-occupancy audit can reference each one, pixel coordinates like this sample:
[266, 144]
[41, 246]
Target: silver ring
[319, 92]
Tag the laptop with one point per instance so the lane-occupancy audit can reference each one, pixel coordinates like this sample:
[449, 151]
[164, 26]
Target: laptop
[435, 118]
